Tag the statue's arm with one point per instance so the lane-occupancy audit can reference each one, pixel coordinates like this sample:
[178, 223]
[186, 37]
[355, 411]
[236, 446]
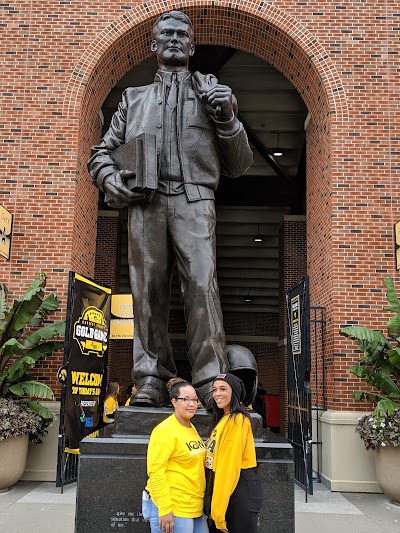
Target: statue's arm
[221, 105]
[102, 168]
[101, 164]
[236, 154]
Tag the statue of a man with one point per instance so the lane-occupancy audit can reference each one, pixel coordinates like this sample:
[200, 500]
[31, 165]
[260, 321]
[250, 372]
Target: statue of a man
[193, 136]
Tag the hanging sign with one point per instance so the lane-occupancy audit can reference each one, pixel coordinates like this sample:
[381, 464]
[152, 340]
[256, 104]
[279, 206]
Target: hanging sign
[6, 219]
[295, 323]
[121, 324]
[397, 244]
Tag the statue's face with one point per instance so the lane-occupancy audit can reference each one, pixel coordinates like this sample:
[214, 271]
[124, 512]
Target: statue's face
[173, 43]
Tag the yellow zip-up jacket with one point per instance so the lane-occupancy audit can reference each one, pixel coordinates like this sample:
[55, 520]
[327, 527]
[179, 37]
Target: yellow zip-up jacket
[175, 466]
[230, 449]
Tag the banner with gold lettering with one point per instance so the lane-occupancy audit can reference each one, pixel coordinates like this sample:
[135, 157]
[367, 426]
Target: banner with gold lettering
[83, 374]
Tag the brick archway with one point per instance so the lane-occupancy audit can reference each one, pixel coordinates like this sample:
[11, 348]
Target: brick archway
[252, 27]
[266, 31]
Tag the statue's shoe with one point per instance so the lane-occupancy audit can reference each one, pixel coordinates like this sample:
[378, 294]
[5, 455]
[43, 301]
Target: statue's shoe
[149, 396]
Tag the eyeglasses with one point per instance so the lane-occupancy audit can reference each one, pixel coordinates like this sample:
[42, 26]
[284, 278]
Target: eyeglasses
[188, 401]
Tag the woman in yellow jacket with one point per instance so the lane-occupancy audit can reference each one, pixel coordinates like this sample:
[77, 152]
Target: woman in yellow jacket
[175, 466]
[231, 460]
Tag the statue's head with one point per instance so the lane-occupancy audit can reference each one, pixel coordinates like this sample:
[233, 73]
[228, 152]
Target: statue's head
[173, 39]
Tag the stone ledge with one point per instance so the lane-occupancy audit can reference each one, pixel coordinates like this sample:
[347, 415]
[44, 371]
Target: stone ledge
[341, 417]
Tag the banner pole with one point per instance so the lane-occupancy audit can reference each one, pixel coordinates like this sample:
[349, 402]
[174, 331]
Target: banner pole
[61, 428]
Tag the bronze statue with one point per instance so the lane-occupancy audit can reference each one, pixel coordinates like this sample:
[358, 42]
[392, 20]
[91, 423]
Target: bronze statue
[163, 155]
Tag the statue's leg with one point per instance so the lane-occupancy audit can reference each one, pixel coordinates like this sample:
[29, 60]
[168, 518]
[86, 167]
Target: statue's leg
[193, 235]
[150, 260]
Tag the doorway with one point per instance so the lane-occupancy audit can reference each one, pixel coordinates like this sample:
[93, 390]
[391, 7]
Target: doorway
[250, 212]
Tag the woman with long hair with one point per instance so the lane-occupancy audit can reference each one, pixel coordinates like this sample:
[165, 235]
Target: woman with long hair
[175, 466]
[232, 483]
[111, 402]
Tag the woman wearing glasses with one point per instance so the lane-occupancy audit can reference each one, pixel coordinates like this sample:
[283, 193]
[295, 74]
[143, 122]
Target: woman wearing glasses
[233, 487]
[175, 466]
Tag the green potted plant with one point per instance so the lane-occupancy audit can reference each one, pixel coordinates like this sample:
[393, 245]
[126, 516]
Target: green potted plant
[379, 367]
[23, 341]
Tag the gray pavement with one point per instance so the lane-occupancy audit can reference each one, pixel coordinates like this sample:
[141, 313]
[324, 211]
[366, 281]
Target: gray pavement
[34, 507]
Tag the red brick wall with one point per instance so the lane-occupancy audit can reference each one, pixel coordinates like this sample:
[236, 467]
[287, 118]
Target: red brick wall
[60, 63]
[107, 250]
[107, 266]
[120, 363]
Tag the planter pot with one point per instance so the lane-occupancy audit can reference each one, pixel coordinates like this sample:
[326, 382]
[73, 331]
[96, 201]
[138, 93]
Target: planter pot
[13, 455]
[387, 462]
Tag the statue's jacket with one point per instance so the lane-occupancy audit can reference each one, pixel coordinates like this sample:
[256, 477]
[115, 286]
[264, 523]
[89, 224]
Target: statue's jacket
[207, 148]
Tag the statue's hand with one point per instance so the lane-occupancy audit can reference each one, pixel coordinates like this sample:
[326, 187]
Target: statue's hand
[219, 99]
[115, 186]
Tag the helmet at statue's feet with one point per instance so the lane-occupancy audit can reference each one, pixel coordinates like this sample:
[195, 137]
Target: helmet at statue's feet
[208, 401]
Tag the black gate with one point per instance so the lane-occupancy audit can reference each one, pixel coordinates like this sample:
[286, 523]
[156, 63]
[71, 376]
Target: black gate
[317, 337]
[299, 390]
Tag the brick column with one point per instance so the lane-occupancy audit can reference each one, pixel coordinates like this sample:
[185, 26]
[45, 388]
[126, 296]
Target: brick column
[107, 266]
[292, 268]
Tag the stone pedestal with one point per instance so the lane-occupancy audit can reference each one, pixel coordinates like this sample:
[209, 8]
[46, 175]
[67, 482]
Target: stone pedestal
[140, 421]
[112, 475]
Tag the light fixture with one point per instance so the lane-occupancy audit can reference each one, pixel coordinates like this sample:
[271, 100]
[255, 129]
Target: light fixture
[258, 237]
[248, 298]
[277, 152]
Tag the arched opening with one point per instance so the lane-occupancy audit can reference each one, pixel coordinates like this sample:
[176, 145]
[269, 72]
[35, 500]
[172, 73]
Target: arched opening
[271, 36]
[250, 209]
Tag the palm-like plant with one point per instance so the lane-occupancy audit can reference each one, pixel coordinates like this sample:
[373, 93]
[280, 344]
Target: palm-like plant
[380, 364]
[22, 344]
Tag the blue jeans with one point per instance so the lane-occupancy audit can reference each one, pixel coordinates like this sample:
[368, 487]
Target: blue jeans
[182, 525]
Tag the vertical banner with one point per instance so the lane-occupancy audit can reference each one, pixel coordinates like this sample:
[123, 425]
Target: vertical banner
[85, 359]
[298, 374]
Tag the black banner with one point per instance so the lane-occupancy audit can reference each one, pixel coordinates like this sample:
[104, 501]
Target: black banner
[298, 373]
[85, 358]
